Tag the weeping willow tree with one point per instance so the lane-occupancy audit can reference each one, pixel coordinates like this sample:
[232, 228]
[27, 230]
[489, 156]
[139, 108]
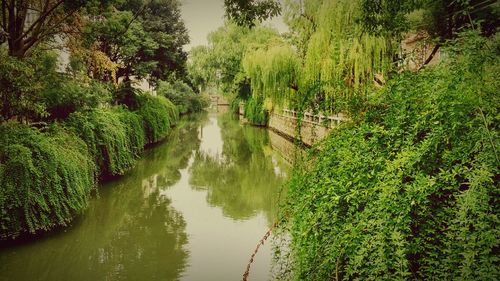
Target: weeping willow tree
[338, 56]
[332, 61]
[273, 72]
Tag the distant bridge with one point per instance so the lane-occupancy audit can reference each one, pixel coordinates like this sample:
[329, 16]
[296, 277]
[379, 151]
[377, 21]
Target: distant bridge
[218, 100]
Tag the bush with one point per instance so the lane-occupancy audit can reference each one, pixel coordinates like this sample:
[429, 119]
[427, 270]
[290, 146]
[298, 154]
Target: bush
[254, 111]
[65, 95]
[412, 191]
[158, 115]
[19, 88]
[180, 94]
[46, 178]
[114, 137]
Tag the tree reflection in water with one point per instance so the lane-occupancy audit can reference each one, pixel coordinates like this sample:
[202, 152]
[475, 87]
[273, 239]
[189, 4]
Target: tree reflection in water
[129, 233]
[246, 177]
[133, 231]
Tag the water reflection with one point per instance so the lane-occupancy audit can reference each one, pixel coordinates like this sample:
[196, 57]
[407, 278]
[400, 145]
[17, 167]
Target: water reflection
[129, 233]
[192, 209]
[245, 177]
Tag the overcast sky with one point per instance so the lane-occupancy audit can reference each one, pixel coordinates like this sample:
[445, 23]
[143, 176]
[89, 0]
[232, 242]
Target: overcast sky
[203, 16]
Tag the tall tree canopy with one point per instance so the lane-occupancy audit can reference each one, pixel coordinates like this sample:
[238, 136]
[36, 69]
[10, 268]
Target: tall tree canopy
[248, 12]
[144, 38]
[162, 20]
[220, 64]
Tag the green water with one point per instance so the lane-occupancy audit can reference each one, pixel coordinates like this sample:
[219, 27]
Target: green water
[194, 208]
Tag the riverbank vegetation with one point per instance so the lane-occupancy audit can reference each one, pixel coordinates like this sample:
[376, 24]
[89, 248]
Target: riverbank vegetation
[71, 110]
[408, 187]
[410, 191]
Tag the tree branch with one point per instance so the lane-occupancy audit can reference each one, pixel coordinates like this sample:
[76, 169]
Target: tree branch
[4, 14]
[40, 19]
[48, 32]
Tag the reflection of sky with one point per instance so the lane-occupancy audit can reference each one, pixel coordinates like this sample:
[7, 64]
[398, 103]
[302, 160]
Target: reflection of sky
[211, 138]
[219, 247]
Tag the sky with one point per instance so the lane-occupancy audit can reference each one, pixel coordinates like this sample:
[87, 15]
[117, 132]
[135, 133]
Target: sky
[203, 16]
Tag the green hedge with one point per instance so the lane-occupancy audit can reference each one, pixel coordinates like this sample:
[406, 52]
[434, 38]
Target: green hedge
[114, 137]
[412, 191]
[45, 178]
[158, 115]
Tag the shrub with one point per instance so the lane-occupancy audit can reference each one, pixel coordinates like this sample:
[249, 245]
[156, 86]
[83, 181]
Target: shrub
[114, 137]
[158, 115]
[180, 94]
[46, 178]
[64, 95]
[234, 106]
[412, 191]
[20, 86]
[254, 111]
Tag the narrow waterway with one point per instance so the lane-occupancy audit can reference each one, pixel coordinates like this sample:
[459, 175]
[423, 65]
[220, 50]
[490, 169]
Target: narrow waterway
[193, 208]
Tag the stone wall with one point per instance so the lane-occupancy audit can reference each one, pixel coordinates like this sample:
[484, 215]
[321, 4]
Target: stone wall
[284, 146]
[314, 128]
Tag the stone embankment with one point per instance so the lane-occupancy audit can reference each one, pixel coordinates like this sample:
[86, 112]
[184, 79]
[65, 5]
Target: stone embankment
[314, 127]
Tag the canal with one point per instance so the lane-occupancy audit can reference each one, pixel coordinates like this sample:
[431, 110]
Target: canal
[193, 208]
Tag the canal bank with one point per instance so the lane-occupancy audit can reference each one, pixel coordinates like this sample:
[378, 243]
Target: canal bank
[313, 127]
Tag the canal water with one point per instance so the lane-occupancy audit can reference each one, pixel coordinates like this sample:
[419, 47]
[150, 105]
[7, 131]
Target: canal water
[194, 208]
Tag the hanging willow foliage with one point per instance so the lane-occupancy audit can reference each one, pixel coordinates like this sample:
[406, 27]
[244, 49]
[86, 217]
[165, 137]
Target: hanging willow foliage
[339, 55]
[273, 71]
[336, 59]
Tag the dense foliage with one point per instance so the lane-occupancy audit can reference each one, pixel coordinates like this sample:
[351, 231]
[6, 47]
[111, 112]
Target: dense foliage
[158, 115]
[255, 112]
[143, 39]
[70, 110]
[219, 66]
[180, 94]
[116, 136]
[46, 178]
[19, 88]
[113, 137]
[248, 12]
[411, 191]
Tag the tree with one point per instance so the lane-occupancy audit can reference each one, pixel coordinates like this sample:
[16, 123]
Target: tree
[26, 23]
[199, 68]
[163, 22]
[248, 12]
[442, 19]
[144, 38]
[20, 87]
[122, 39]
[221, 62]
